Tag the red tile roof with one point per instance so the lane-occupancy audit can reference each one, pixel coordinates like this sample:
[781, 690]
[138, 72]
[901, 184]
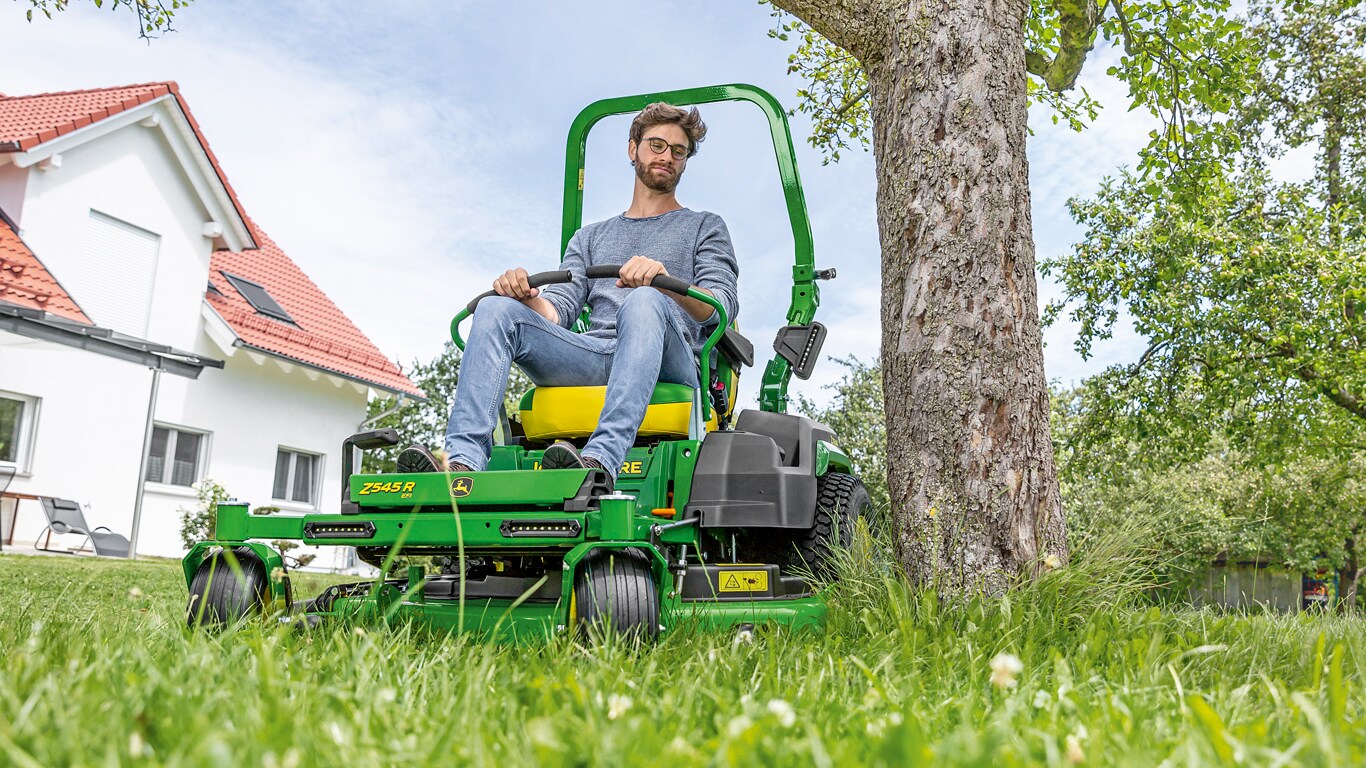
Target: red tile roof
[26, 282]
[324, 337]
[27, 121]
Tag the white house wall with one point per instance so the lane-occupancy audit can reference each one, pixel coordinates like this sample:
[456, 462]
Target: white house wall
[13, 180]
[133, 176]
[88, 438]
[89, 434]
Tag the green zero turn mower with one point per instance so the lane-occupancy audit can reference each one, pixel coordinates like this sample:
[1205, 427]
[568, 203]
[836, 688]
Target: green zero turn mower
[713, 517]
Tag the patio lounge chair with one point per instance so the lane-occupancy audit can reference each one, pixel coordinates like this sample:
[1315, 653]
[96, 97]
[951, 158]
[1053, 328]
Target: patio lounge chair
[6, 477]
[64, 516]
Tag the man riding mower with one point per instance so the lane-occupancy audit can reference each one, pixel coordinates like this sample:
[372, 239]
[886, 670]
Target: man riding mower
[626, 495]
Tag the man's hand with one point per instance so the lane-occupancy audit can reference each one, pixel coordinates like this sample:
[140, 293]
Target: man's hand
[513, 284]
[639, 271]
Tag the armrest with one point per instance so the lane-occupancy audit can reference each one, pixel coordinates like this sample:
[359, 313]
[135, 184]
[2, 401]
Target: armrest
[736, 349]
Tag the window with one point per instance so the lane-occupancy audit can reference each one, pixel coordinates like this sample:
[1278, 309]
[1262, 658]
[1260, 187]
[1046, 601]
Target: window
[296, 476]
[18, 413]
[117, 274]
[259, 298]
[176, 456]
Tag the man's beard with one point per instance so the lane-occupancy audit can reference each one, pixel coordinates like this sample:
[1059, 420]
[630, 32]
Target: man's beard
[666, 184]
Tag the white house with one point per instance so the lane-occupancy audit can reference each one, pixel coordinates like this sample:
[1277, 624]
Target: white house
[131, 278]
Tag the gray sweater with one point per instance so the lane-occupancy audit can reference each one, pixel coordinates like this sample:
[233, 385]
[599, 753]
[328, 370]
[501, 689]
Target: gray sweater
[693, 246]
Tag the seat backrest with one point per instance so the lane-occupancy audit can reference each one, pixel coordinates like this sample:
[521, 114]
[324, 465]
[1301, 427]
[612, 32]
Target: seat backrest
[6, 477]
[63, 512]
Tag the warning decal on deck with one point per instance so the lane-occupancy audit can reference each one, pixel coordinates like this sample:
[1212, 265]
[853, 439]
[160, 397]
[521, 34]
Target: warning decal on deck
[744, 581]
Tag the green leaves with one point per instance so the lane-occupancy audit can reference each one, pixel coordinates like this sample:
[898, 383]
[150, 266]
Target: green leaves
[155, 17]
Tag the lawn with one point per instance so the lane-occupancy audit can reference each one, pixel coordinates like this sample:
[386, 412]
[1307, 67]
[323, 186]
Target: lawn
[98, 669]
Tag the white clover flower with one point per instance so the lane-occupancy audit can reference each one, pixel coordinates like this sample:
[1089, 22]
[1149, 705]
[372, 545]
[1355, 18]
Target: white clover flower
[1004, 668]
[1052, 562]
[872, 697]
[135, 593]
[1075, 755]
[737, 726]
[787, 716]
[136, 747]
[617, 705]
[1042, 699]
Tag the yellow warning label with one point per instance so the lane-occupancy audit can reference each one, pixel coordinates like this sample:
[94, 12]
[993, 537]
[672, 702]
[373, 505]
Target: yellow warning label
[744, 581]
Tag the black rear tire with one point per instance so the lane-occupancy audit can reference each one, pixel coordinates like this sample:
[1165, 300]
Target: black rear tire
[614, 590]
[841, 500]
[219, 595]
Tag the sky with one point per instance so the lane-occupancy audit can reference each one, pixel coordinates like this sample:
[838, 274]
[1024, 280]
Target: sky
[404, 154]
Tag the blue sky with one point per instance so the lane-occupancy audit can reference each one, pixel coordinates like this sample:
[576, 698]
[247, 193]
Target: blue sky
[405, 154]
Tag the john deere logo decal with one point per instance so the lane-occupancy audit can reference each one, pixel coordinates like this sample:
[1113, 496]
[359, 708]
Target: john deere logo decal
[461, 487]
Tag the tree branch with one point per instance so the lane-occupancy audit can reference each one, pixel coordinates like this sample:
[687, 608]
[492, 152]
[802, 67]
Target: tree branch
[852, 101]
[1078, 22]
[849, 24]
[1307, 373]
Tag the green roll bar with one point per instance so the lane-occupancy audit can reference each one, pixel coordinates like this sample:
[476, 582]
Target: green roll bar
[805, 294]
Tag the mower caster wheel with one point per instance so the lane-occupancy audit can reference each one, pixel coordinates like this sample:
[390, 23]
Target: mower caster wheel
[615, 590]
[222, 594]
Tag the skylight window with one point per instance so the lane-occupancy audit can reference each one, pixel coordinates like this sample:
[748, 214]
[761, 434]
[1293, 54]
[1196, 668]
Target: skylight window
[259, 298]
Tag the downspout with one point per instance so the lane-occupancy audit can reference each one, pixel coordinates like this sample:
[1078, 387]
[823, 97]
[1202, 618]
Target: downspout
[370, 422]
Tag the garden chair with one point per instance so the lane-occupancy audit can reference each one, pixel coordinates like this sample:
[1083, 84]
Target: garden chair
[6, 477]
[64, 516]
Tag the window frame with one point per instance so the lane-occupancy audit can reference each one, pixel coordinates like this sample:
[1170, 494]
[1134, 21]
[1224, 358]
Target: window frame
[237, 282]
[201, 458]
[29, 410]
[319, 460]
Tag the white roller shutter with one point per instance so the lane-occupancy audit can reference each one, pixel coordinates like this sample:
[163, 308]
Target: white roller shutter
[118, 273]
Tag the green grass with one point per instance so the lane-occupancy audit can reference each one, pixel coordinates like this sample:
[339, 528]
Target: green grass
[97, 669]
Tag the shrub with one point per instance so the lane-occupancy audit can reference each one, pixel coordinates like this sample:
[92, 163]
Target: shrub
[196, 525]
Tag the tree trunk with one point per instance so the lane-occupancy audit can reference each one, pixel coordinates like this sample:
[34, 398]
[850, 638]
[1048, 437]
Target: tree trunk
[971, 471]
[1348, 577]
[970, 459]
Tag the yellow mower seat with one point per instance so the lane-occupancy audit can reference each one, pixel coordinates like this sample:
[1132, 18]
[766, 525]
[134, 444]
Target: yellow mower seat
[569, 412]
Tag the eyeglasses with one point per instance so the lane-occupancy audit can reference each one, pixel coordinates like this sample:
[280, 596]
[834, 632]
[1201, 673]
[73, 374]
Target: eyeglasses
[658, 145]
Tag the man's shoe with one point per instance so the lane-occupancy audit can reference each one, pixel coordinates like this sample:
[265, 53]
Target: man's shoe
[416, 458]
[563, 455]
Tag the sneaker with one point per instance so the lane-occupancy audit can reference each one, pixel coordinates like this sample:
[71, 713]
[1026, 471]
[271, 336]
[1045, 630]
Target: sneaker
[416, 458]
[563, 455]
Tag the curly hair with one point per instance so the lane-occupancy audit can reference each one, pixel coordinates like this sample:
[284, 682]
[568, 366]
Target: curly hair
[660, 113]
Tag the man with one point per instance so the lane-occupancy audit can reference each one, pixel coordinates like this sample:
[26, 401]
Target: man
[638, 335]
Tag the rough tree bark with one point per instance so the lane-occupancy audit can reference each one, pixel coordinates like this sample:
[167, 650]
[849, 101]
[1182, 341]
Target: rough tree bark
[970, 459]
[1349, 576]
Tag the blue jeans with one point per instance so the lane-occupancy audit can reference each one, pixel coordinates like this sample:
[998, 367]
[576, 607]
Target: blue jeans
[649, 348]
